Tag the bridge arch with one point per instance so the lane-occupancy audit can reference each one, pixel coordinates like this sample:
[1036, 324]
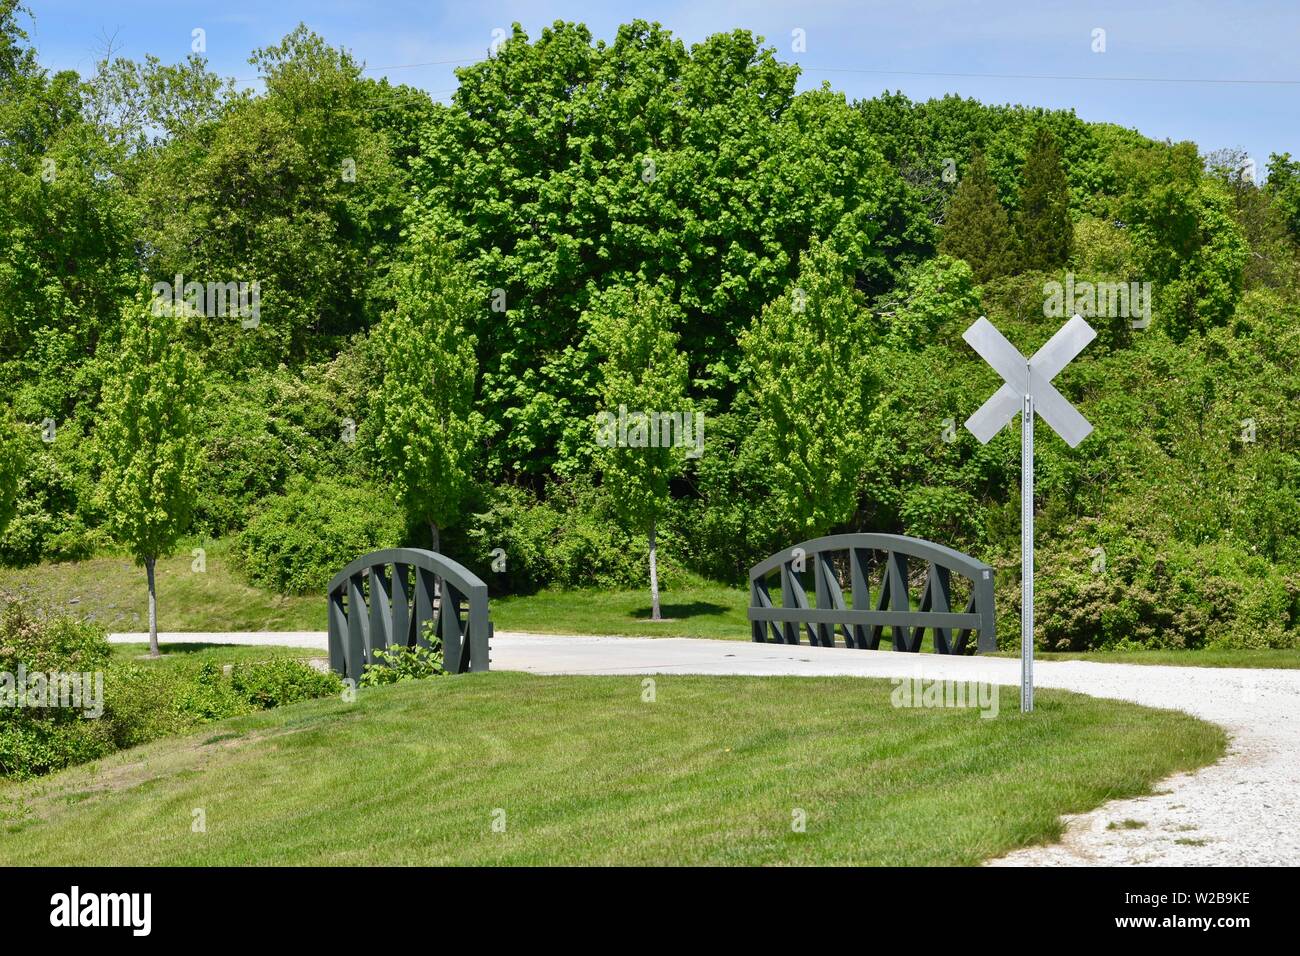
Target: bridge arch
[385, 598]
[887, 604]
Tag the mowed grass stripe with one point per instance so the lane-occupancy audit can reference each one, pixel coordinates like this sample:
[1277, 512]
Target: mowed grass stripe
[588, 773]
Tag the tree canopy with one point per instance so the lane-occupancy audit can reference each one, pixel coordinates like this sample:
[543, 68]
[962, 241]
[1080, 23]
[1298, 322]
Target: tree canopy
[447, 295]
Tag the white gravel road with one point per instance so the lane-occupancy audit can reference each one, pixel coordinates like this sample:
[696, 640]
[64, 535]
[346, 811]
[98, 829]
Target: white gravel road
[1243, 811]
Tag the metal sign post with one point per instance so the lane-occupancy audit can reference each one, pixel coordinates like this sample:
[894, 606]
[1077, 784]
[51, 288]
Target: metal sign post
[1028, 389]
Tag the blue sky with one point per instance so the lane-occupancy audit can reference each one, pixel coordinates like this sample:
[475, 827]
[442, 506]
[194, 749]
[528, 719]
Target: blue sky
[862, 48]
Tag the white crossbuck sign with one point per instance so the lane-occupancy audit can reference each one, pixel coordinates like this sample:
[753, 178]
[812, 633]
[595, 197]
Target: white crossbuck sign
[1028, 389]
[1029, 376]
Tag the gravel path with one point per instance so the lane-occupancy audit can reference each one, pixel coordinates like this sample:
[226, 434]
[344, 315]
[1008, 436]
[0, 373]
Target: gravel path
[1242, 811]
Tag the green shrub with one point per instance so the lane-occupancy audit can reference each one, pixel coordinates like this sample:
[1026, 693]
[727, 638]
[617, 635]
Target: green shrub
[274, 683]
[143, 703]
[139, 703]
[568, 540]
[206, 696]
[47, 524]
[34, 743]
[44, 642]
[1152, 595]
[40, 739]
[397, 664]
[299, 540]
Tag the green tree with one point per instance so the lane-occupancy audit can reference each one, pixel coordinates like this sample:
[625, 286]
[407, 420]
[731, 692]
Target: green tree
[976, 227]
[423, 419]
[1185, 239]
[1043, 221]
[294, 190]
[1283, 188]
[13, 459]
[937, 293]
[66, 256]
[150, 451]
[643, 372]
[810, 380]
[564, 166]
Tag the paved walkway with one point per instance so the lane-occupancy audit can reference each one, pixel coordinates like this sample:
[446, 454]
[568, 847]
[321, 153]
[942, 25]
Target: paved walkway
[1240, 811]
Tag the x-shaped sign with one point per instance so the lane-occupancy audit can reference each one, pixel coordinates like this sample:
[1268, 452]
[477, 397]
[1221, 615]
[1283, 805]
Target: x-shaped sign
[1029, 376]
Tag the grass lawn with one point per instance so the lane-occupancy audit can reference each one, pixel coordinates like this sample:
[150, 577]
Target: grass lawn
[582, 771]
[112, 591]
[706, 610]
[185, 655]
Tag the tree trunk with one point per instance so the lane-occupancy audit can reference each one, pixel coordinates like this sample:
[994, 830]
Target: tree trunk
[153, 608]
[654, 578]
[435, 537]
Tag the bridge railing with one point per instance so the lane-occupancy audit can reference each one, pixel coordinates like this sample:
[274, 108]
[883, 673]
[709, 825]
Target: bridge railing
[886, 604]
[385, 598]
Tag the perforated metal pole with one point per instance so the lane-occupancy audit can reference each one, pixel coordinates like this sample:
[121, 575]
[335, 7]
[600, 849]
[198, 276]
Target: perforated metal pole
[1031, 381]
[1027, 555]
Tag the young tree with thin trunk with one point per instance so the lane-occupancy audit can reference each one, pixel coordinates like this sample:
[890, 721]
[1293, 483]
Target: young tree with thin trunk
[423, 418]
[147, 439]
[644, 376]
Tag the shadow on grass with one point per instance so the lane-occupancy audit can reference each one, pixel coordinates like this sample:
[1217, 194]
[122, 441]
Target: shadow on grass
[189, 648]
[680, 612]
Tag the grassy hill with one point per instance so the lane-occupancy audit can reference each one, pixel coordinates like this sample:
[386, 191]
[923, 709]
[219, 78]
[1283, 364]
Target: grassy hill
[583, 770]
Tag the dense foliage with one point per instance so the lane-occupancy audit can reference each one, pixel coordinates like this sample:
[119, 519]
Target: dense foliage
[449, 295]
[302, 538]
[120, 704]
[398, 664]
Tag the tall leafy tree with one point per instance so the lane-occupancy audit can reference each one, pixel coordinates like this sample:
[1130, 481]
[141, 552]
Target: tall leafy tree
[423, 418]
[1185, 239]
[565, 166]
[150, 451]
[294, 190]
[643, 372]
[976, 227]
[66, 254]
[1283, 188]
[1043, 221]
[809, 377]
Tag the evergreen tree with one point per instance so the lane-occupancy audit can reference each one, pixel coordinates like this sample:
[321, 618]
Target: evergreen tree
[976, 227]
[1046, 232]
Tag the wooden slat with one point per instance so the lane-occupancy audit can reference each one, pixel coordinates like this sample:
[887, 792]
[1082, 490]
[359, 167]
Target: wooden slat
[399, 597]
[939, 585]
[358, 650]
[451, 629]
[759, 597]
[338, 634]
[899, 600]
[381, 617]
[859, 559]
[423, 603]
